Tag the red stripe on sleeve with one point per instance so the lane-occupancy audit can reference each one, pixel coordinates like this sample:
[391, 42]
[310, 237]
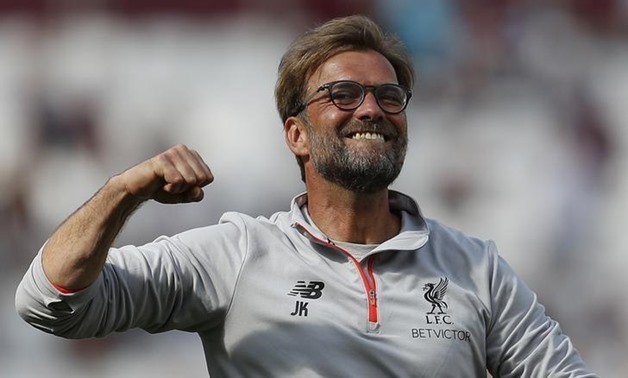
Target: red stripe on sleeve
[65, 290]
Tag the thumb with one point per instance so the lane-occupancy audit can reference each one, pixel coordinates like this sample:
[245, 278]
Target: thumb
[193, 194]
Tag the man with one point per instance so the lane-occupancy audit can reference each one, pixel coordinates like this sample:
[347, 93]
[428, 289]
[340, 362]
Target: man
[351, 282]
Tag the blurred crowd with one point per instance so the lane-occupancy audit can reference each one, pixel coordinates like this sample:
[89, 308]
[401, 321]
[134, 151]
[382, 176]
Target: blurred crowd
[518, 133]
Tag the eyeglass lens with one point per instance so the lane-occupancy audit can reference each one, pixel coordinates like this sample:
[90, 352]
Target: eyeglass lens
[349, 95]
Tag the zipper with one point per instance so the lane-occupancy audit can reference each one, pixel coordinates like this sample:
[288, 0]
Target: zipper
[373, 313]
[367, 276]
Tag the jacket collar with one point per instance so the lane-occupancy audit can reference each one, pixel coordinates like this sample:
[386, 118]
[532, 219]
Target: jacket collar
[414, 231]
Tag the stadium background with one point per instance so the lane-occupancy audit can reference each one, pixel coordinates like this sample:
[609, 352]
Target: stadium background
[518, 133]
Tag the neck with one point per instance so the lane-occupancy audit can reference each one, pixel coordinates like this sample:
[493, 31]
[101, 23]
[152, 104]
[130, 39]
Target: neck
[352, 217]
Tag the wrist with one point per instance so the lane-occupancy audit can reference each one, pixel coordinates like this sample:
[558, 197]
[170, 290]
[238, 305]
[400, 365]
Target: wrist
[117, 190]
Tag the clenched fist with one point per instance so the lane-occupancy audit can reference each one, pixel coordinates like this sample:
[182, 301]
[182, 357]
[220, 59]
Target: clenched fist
[177, 175]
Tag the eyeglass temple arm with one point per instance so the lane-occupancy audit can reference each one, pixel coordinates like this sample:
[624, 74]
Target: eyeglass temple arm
[309, 98]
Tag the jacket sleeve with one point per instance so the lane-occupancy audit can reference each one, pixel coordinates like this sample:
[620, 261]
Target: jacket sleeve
[522, 341]
[182, 282]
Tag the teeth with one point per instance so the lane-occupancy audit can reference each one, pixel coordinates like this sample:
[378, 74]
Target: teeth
[370, 136]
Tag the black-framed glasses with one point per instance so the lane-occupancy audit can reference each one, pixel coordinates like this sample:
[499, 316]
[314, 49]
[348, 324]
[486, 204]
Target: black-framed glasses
[349, 95]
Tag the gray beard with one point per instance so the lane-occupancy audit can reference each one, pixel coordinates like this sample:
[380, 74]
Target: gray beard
[357, 171]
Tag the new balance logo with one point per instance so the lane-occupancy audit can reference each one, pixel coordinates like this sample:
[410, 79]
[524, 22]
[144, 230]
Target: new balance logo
[312, 290]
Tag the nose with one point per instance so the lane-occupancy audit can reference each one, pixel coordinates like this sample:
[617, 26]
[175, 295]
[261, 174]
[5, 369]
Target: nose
[369, 109]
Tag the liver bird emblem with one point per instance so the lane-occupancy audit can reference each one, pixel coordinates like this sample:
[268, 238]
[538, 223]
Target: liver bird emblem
[434, 293]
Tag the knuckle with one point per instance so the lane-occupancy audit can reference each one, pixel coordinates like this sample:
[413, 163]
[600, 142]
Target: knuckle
[203, 180]
[177, 179]
[206, 178]
[191, 180]
[174, 151]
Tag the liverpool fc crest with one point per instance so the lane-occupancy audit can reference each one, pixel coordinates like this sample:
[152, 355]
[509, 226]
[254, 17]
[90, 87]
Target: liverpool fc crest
[434, 294]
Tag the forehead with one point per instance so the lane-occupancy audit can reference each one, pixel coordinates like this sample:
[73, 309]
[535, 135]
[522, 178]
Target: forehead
[366, 67]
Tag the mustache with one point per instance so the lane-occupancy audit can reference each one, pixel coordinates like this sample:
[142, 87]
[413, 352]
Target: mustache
[381, 126]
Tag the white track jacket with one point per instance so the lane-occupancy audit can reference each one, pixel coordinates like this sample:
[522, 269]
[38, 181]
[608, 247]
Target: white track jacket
[276, 298]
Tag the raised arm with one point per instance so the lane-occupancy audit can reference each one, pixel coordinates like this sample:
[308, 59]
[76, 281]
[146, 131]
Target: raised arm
[75, 254]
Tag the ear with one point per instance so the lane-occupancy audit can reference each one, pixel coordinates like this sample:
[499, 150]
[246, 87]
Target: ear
[296, 136]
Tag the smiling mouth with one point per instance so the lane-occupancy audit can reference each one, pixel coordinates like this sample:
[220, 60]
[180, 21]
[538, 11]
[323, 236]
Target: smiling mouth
[368, 136]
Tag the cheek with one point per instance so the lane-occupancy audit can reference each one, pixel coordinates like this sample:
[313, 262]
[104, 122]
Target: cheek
[328, 116]
[399, 121]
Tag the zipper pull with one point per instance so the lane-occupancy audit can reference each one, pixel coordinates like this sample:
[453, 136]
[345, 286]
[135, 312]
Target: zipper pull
[373, 297]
